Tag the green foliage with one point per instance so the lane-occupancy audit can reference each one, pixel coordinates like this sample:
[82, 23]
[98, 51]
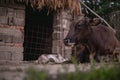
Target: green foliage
[99, 74]
[36, 75]
[103, 73]
[74, 60]
[103, 7]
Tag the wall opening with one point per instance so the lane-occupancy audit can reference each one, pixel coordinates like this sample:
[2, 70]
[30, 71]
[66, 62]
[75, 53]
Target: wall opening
[38, 32]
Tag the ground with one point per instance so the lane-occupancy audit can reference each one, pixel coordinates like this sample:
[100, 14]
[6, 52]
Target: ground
[13, 71]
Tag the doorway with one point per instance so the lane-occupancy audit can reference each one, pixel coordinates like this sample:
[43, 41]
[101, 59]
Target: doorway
[38, 32]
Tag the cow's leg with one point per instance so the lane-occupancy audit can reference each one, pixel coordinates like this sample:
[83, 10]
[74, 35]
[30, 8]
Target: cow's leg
[114, 57]
[81, 57]
[84, 57]
[109, 56]
[117, 57]
[96, 58]
[91, 56]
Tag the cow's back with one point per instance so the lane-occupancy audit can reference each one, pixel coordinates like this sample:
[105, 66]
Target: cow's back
[103, 39]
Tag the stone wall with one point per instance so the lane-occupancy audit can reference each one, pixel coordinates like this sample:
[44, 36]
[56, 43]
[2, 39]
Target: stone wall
[11, 43]
[62, 20]
[12, 21]
[11, 32]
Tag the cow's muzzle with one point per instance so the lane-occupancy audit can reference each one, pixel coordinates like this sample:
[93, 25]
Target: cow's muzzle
[69, 42]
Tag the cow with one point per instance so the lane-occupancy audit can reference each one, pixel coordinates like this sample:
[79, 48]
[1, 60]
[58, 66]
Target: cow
[83, 53]
[100, 38]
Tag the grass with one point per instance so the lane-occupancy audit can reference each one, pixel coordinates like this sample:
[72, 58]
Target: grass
[33, 74]
[103, 73]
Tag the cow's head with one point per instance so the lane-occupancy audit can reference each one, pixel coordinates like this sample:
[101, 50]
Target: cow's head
[79, 29]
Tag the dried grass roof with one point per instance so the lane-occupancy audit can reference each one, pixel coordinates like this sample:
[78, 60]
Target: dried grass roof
[73, 5]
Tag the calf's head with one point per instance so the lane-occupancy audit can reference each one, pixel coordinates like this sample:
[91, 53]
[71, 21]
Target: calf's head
[79, 29]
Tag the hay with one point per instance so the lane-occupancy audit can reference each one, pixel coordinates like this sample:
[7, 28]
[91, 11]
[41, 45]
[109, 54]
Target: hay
[73, 5]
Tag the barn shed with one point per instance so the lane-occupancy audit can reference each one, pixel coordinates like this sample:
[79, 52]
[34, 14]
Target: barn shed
[29, 28]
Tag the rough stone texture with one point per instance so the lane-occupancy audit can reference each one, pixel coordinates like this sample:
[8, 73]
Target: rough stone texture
[68, 52]
[19, 18]
[66, 21]
[12, 75]
[10, 13]
[3, 19]
[56, 36]
[11, 35]
[61, 24]
[11, 53]
[12, 16]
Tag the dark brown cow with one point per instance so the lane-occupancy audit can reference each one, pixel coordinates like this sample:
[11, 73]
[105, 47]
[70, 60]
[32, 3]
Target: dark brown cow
[83, 53]
[99, 38]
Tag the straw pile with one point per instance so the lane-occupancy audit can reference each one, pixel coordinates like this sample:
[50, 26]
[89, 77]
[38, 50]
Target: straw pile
[73, 5]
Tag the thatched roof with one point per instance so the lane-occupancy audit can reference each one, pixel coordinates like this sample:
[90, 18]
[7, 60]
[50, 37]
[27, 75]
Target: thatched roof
[73, 5]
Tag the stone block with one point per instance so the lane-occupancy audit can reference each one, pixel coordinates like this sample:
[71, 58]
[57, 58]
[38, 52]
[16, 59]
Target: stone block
[3, 11]
[65, 33]
[10, 16]
[68, 52]
[11, 53]
[11, 35]
[19, 18]
[6, 38]
[56, 28]
[56, 36]
[56, 49]
[57, 46]
[5, 55]
[56, 43]
[3, 19]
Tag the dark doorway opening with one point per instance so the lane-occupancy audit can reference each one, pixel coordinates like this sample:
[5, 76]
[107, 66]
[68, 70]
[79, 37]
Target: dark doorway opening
[38, 33]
